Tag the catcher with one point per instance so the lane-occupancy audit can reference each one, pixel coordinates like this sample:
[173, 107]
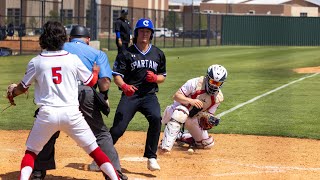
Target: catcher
[194, 106]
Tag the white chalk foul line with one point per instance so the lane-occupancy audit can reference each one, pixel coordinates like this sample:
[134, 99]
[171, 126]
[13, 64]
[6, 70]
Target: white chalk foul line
[265, 94]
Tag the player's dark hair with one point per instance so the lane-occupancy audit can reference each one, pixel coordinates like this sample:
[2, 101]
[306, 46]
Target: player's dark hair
[53, 36]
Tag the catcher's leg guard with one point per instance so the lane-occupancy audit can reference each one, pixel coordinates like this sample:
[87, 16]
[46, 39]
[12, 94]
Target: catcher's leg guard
[167, 113]
[172, 129]
[170, 134]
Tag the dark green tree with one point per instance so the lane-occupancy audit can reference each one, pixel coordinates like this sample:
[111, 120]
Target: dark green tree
[173, 20]
[53, 15]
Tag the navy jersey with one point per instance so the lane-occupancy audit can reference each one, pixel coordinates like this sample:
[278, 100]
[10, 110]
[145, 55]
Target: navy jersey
[133, 64]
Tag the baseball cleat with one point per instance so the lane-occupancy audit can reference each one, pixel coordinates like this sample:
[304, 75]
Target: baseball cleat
[153, 165]
[185, 138]
[93, 167]
[165, 151]
[38, 175]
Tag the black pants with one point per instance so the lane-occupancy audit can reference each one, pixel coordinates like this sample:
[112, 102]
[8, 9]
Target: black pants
[123, 47]
[91, 113]
[149, 106]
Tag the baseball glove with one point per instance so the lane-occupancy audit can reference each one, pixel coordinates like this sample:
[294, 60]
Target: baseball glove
[10, 94]
[207, 121]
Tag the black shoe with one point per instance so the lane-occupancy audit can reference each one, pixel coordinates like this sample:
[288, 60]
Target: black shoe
[38, 174]
[121, 175]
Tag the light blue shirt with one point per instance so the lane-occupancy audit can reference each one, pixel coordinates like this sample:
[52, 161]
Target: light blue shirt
[89, 55]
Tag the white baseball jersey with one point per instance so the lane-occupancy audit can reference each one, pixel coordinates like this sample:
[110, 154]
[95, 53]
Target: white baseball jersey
[195, 89]
[56, 72]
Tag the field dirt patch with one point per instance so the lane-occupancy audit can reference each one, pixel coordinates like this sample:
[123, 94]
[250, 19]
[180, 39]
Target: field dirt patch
[308, 70]
[233, 157]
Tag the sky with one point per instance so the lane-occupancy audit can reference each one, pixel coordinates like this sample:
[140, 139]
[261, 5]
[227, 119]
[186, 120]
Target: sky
[185, 1]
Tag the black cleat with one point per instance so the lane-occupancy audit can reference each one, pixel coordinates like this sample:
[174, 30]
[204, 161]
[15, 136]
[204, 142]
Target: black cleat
[38, 175]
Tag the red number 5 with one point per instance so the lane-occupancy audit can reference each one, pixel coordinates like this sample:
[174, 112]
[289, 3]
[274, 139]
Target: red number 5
[56, 76]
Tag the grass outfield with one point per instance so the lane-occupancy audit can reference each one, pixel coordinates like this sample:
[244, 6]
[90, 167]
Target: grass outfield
[292, 111]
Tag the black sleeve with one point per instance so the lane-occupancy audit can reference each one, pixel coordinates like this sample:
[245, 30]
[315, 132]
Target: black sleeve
[162, 66]
[117, 26]
[120, 66]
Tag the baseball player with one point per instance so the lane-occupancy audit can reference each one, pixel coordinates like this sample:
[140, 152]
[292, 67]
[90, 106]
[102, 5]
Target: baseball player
[79, 45]
[198, 97]
[137, 72]
[55, 73]
[123, 31]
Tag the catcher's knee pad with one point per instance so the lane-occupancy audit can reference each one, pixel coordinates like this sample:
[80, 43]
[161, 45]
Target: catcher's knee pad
[180, 114]
[167, 115]
[170, 135]
[205, 143]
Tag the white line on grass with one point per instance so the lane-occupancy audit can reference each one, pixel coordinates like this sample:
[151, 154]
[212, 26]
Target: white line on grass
[265, 94]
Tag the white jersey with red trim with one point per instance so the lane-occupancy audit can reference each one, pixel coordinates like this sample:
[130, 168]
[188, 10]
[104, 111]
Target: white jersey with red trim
[56, 72]
[195, 89]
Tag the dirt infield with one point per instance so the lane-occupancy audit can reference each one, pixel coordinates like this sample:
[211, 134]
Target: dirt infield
[233, 157]
[308, 70]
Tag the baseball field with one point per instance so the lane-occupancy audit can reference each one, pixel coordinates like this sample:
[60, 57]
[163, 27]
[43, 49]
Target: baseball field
[269, 129]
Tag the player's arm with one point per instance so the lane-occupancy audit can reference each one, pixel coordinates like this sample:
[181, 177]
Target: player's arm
[127, 89]
[154, 78]
[162, 69]
[118, 33]
[15, 90]
[160, 77]
[105, 74]
[89, 78]
[19, 89]
[181, 98]
[95, 72]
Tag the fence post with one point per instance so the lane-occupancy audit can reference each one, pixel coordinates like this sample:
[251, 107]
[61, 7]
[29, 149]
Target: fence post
[20, 22]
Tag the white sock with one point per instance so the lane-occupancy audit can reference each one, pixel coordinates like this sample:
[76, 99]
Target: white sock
[25, 173]
[109, 170]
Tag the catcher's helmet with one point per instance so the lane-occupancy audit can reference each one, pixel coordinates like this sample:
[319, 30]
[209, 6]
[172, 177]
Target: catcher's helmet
[79, 31]
[143, 23]
[216, 75]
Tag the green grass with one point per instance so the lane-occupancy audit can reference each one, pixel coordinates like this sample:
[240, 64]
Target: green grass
[292, 111]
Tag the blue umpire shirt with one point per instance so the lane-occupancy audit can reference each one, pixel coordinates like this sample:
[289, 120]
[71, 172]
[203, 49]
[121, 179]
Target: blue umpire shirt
[89, 55]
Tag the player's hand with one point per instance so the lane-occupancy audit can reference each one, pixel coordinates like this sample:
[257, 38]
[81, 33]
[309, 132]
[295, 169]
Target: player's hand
[95, 68]
[119, 42]
[10, 94]
[197, 103]
[151, 77]
[128, 90]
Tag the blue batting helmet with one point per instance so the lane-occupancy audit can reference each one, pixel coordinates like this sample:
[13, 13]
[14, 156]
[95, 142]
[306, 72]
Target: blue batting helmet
[143, 23]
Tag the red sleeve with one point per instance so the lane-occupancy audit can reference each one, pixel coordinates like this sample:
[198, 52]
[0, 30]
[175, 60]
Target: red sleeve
[94, 79]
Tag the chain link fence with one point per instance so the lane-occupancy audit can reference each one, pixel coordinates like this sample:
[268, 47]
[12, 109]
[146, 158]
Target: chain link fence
[22, 22]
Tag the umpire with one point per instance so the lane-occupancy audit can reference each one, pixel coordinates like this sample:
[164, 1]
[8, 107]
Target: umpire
[123, 31]
[138, 71]
[89, 104]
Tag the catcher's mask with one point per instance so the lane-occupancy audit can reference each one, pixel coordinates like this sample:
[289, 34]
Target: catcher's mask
[216, 75]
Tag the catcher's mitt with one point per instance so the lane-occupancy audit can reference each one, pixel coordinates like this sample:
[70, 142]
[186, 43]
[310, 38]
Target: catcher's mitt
[10, 94]
[207, 120]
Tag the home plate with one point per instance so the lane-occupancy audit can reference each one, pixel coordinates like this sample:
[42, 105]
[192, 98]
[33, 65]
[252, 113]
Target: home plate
[134, 159]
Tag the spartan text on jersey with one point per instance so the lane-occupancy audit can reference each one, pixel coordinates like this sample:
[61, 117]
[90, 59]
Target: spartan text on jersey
[144, 64]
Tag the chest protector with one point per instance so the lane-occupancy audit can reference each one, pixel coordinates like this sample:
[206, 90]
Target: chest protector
[207, 100]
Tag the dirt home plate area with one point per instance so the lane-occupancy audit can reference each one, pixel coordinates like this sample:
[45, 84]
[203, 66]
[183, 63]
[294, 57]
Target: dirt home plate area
[233, 157]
